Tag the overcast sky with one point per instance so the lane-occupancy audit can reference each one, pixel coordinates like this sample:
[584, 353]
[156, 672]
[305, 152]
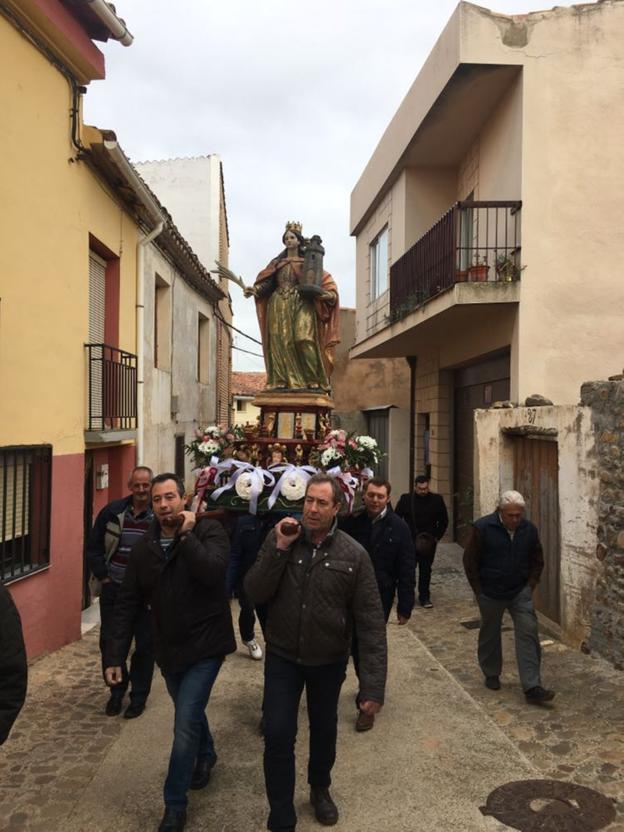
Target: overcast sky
[293, 96]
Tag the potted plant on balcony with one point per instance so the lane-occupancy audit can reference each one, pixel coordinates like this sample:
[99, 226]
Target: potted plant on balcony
[507, 270]
[478, 272]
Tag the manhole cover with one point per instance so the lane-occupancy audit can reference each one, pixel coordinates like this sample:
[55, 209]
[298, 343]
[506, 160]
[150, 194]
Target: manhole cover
[549, 806]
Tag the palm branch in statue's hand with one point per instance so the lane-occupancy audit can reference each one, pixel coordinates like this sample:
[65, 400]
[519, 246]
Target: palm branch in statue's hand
[228, 274]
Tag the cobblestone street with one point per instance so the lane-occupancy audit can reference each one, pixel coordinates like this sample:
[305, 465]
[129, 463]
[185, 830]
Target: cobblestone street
[441, 745]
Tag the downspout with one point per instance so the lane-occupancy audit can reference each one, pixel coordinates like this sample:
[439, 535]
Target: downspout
[155, 212]
[115, 25]
[411, 360]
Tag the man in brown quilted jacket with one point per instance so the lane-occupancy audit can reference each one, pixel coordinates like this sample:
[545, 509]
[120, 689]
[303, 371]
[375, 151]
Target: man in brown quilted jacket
[319, 584]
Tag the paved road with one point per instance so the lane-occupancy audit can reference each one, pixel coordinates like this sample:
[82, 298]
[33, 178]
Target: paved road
[441, 745]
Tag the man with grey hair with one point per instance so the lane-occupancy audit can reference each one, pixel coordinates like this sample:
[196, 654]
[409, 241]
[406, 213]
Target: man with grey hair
[319, 585]
[116, 529]
[503, 562]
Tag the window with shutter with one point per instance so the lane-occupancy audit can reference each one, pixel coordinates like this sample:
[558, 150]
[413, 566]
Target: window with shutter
[25, 485]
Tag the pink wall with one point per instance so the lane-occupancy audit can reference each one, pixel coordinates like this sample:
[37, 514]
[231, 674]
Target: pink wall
[120, 459]
[50, 602]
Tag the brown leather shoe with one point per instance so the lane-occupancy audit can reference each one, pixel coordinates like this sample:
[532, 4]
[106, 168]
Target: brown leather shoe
[364, 722]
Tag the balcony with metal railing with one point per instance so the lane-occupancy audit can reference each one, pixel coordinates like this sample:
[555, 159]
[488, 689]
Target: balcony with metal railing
[111, 393]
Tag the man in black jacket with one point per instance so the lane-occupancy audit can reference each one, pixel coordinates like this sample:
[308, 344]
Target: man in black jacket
[388, 541]
[179, 568]
[116, 529]
[426, 515]
[318, 583]
[13, 668]
[503, 562]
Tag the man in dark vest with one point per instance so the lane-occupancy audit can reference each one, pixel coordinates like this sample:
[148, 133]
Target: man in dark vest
[503, 562]
[426, 515]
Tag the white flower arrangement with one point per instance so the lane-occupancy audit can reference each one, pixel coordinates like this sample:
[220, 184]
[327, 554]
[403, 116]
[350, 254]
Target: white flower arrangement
[330, 455]
[243, 485]
[292, 486]
[209, 448]
[367, 442]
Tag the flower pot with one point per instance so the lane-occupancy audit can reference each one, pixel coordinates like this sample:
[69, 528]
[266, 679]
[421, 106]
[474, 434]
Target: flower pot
[461, 275]
[478, 274]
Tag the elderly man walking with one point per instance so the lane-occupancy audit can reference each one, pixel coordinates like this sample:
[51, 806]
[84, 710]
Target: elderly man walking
[318, 583]
[503, 562]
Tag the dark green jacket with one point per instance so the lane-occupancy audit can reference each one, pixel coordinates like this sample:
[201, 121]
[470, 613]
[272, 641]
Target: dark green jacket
[314, 604]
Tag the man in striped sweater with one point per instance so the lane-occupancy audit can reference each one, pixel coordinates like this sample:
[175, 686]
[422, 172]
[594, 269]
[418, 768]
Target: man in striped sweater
[117, 528]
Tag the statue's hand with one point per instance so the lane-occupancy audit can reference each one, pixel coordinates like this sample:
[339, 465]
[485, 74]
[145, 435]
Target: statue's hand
[250, 291]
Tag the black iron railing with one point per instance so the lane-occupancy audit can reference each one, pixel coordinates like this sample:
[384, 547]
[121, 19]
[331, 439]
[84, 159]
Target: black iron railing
[25, 492]
[472, 242]
[112, 388]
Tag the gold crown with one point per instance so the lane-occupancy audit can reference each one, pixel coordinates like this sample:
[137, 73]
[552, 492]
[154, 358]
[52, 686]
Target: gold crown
[293, 226]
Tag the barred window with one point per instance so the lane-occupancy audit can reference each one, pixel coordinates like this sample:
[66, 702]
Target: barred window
[25, 489]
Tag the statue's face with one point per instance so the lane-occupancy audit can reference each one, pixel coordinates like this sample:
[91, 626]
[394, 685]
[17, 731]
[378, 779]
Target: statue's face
[290, 240]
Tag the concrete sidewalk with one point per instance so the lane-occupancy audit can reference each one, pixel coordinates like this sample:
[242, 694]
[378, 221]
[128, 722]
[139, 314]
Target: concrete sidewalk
[420, 768]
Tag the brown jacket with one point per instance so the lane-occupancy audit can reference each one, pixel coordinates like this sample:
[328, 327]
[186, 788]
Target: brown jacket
[313, 608]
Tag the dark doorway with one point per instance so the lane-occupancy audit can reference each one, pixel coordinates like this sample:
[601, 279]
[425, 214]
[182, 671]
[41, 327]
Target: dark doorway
[536, 477]
[475, 386]
[377, 426]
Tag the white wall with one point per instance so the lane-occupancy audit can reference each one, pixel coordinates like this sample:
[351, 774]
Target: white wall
[190, 190]
[178, 377]
[578, 495]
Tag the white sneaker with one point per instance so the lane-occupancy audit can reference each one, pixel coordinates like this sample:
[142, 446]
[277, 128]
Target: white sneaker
[255, 651]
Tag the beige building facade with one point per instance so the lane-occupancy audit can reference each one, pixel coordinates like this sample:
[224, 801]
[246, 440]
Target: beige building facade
[487, 228]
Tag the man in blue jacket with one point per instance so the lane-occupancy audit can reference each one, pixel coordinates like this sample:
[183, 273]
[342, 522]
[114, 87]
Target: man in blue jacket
[503, 562]
[388, 541]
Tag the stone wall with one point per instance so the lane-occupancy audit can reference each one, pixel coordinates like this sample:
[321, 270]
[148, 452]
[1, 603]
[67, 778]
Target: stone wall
[606, 398]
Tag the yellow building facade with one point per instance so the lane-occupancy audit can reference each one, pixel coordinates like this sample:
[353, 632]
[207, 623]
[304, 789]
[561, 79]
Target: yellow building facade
[63, 230]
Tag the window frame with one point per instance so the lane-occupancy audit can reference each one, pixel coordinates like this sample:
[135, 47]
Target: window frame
[28, 553]
[375, 249]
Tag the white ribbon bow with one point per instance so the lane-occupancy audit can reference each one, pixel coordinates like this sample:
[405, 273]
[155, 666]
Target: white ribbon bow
[347, 482]
[259, 480]
[305, 471]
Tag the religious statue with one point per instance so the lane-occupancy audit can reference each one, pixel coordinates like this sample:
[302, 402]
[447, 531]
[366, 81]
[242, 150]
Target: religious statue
[297, 308]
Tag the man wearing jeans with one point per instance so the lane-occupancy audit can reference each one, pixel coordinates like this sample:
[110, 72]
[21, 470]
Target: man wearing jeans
[318, 584]
[503, 562]
[179, 568]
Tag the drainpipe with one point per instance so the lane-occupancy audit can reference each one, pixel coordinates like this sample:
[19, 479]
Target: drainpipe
[115, 25]
[411, 360]
[150, 203]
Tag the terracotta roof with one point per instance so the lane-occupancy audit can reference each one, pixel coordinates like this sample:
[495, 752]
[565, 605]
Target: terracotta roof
[248, 384]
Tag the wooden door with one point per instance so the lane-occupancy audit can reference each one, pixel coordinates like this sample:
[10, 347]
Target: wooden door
[536, 477]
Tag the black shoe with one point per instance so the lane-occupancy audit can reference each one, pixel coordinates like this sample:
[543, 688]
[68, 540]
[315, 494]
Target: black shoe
[134, 709]
[203, 768]
[113, 706]
[174, 820]
[325, 810]
[492, 682]
[538, 695]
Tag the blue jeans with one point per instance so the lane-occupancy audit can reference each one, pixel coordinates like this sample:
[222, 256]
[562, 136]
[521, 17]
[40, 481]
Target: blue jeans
[192, 740]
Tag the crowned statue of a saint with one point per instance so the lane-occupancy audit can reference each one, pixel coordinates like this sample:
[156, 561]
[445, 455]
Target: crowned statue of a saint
[298, 312]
